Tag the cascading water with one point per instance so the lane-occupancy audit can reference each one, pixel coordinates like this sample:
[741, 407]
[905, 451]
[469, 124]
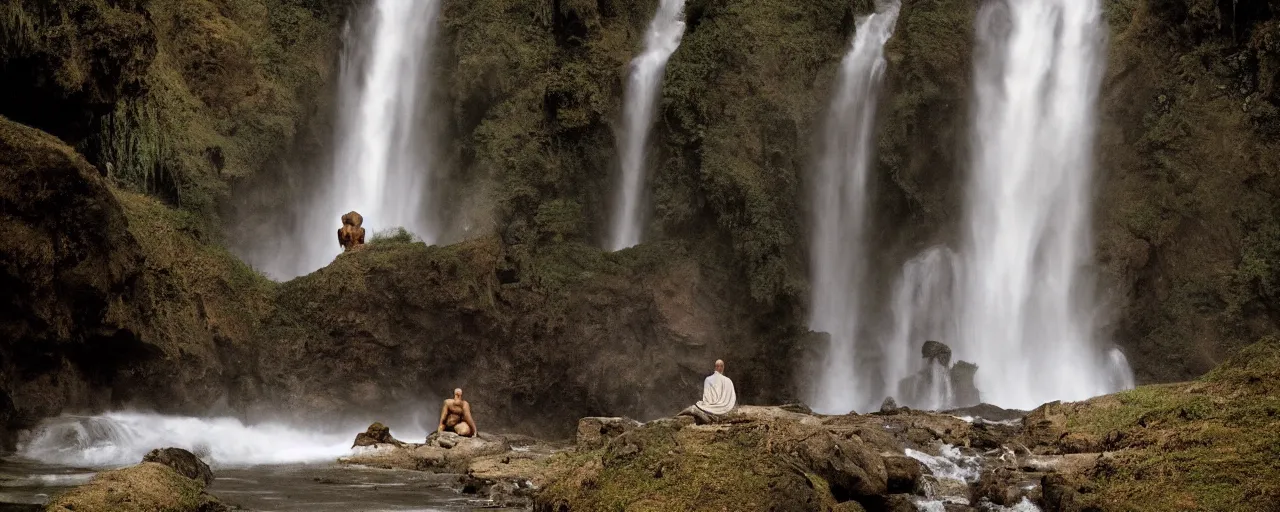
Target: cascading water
[1025, 315]
[384, 157]
[839, 199]
[643, 88]
[119, 439]
[922, 308]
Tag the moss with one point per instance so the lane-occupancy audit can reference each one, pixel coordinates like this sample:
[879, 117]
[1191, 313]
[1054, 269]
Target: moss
[1205, 445]
[392, 236]
[147, 487]
[193, 286]
[658, 468]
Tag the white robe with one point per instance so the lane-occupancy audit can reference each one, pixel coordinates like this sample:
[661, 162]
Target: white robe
[717, 395]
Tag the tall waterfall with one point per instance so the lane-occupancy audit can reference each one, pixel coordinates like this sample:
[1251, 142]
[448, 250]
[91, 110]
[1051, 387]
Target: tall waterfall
[643, 87]
[383, 159]
[839, 202]
[1026, 316]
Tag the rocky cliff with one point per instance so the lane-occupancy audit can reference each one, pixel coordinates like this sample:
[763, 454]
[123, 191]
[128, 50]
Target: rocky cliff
[167, 124]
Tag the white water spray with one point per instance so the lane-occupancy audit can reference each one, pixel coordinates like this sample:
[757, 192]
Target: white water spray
[1026, 317]
[384, 158]
[120, 439]
[839, 202]
[922, 308]
[643, 88]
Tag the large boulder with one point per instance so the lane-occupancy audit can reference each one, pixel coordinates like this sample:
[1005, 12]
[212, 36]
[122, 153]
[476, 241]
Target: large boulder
[756, 458]
[936, 351]
[182, 461]
[146, 487]
[375, 435]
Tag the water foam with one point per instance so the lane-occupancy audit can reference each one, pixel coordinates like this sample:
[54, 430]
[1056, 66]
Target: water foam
[120, 439]
[950, 464]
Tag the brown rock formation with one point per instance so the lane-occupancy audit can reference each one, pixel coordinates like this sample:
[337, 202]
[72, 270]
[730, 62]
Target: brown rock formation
[182, 461]
[375, 435]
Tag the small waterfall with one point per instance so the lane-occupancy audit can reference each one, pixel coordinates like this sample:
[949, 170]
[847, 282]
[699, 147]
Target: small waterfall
[839, 209]
[120, 439]
[643, 89]
[922, 308]
[384, 152]
[1026, 317]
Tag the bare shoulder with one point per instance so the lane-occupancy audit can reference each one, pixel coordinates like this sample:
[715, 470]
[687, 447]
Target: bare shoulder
[466, 404]
[448, 402]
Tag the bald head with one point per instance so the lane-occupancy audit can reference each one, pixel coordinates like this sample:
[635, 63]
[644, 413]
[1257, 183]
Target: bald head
[457, 393]
[720, 365]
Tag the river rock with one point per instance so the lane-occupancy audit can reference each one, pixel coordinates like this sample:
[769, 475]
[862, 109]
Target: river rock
[182, 461]
[852, 468]
[903, 474]
[375, 435]
[448, 450]
[594, 432]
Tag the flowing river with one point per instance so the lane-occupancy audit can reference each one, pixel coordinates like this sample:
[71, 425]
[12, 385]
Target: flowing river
[266, 467]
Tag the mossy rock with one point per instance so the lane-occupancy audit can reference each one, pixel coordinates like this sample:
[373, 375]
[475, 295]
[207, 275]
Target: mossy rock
[1204, 445]
[147, 487]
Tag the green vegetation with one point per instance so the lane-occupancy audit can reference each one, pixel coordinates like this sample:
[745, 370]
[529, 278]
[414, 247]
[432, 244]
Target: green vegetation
[392, 236]
[193, 288]
[184, 96]
[147, 487]
[1206, 445]
[1190, 228]
[662, 467]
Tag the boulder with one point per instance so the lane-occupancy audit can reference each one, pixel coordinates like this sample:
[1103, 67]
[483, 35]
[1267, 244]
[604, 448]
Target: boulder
[936, 351]
[1059, 493]
[182, 461]
[448, 450]
[903, 474]
[594, 432]
[375, 435]
[853, 469]
[889, 406]
[146, 487]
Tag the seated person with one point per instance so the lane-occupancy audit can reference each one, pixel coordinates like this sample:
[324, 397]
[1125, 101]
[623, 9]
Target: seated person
[718, 397]
[455, 416]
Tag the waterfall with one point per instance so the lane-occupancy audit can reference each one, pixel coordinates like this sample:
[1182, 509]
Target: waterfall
[384, 153]
[1026, 313]
[643, 88]
[922, 308]
[839, 212]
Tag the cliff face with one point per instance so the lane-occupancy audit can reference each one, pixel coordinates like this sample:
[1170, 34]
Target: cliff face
[169, 112]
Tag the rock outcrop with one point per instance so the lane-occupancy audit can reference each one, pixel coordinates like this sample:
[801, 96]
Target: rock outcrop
[158, 483]
[940, 384]
[182, 461]
[375, 435]
[595, 432]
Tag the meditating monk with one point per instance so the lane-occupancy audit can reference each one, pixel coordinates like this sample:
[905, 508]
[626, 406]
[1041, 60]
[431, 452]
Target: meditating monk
[351, 235]
[455, 416]
[718, 396]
